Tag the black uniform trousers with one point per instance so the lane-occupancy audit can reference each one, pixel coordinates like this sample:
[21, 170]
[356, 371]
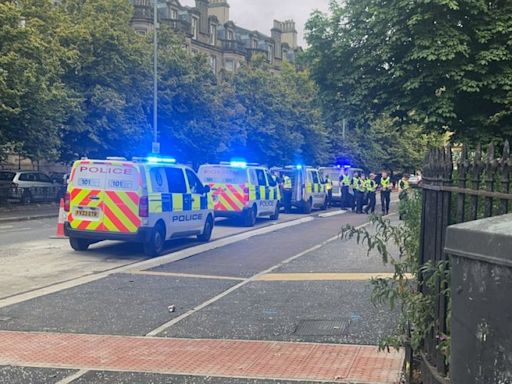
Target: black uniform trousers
[345, 197]
[385, 199]
[359, 196]
[372, 200]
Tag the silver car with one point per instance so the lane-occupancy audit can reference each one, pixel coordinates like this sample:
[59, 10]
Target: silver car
[28, 187]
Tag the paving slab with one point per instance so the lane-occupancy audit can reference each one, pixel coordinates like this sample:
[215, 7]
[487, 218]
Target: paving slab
[249, 257]
[310, 311]
[96, 377]
[221, 358]
[120, 304]
[28, 375]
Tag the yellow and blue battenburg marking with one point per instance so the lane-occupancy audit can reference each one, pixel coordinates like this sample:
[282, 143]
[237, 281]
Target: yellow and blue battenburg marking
[176, 202]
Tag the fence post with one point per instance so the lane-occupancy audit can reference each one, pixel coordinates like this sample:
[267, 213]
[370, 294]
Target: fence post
[476, 170]
[490, 169]
[505, 167]
[463, 166]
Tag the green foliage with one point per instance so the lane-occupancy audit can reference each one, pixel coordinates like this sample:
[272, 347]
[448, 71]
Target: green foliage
[415, 301]
[443, 65]
[76, 80]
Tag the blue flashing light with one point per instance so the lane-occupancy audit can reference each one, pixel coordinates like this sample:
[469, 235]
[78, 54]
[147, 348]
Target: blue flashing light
[238, 163]
[166, 160]
[298, 166]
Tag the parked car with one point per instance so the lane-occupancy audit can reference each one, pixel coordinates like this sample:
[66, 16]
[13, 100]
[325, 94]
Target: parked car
[28, 186]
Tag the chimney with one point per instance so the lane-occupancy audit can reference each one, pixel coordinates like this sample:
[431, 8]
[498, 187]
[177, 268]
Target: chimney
[220, 9]
[276, 34]
[289, 34]
[202, 6]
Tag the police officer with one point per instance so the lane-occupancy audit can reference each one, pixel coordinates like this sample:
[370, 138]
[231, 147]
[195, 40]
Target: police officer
[404, 188]
[328, 188]
[358, 188]
[371, 189]
[385, 192]
[345, 182]
[287, 193]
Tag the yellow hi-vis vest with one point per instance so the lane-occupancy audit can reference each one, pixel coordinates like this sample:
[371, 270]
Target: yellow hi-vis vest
[358, 184]
[328, 184]
[345, 181]
[287, 182]
[403, 185]
[385, 183]
[371, 185]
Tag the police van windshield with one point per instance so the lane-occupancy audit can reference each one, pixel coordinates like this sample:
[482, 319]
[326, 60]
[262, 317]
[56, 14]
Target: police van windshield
[334, 174]
[106, 176]
[214, 174]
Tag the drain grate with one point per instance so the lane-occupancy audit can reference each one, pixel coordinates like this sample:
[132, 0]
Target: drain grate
[335, 327]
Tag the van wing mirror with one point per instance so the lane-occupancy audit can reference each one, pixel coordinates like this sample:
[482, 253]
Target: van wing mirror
[206, 189]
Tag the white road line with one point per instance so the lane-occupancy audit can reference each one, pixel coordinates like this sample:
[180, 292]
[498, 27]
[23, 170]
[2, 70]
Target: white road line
[152, 263]
[172, 322]
[333, 213]
[72, 377]
[6, 227]
[22, 229]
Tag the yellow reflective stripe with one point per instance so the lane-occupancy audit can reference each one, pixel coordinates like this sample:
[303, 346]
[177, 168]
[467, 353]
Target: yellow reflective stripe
[308, 187]
[211, 203]
[109, 225]
[155, 203]
[234, 199]
[128, 202]
[263, 195]
[177, 202]
[119, 213]
[252, 192]
[196, 202]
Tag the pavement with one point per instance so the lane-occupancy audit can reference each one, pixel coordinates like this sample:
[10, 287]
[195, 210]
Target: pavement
[18, 212]
[275, 304]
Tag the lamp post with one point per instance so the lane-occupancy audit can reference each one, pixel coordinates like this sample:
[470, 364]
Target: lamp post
[156, 145]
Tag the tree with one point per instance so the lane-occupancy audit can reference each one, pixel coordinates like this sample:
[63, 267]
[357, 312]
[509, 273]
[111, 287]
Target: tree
[34, 102]
[441, 64]
[111, 78]
[281, 122]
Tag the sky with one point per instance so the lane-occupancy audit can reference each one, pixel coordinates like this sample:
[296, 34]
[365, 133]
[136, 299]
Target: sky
[259, 14]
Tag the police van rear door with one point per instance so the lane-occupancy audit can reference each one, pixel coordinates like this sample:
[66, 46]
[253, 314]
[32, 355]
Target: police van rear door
[104, 196]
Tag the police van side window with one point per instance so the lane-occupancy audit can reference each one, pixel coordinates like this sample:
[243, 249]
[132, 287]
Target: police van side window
[176, 180]
[271, 180]
[260, 175]
[194, 183]
[316, 180]
[158, 180]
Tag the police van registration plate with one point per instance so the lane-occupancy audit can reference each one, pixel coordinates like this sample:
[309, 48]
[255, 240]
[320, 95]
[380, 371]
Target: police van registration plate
[90, 213]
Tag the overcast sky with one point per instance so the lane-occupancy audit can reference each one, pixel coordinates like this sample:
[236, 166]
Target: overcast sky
[259, 14]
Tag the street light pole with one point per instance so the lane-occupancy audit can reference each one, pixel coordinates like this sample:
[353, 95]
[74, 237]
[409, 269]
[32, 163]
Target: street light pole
[156, 144]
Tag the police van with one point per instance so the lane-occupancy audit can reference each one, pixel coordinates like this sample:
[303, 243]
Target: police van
[335, 174]
[148, 200]
[308, 188]
[241, 190]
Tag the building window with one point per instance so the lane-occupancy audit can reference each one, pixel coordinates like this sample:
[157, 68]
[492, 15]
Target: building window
[213, 34]
[213, 63]
[141, 31]
[230, 35]
[271, 53]
[254, 44]
[195, 26]
[174, 14]
[229, 65]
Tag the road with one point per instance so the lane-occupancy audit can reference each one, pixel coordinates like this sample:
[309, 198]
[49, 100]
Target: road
[285, 301]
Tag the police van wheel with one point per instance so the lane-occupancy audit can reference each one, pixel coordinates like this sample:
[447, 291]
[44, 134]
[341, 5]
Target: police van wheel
[275, 216]
[155, 244]
[250, 217]
[207, 231]
[308, 206]
[79, 245]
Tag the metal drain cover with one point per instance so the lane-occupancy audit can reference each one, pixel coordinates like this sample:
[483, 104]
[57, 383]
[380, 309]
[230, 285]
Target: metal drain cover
[335, 327]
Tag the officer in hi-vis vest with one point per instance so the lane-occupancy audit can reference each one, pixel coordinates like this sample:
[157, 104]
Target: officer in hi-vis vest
[328, 188]
[385, 192]
[345, 182]
[371, 188]
[287, 193]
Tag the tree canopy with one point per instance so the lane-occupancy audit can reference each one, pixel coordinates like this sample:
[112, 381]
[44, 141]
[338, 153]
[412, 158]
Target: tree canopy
[445, 65]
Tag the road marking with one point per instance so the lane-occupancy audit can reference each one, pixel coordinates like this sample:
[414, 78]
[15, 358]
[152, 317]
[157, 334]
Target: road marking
[152, 263]
[327, 276]
[172, 274]
[333, 213]
[72, 377]
[22, 229]
[6, 226]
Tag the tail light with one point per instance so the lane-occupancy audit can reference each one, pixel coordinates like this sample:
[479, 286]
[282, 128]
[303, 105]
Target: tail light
[67, 201]
[144, 206]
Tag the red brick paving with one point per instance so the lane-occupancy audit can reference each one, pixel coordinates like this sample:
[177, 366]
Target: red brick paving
[227, 358]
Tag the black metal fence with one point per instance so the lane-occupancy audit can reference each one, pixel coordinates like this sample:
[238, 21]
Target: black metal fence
[459, 184]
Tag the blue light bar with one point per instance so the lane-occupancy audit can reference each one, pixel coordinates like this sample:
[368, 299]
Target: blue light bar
[239, 164]
[298, 166]
[166, 160]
